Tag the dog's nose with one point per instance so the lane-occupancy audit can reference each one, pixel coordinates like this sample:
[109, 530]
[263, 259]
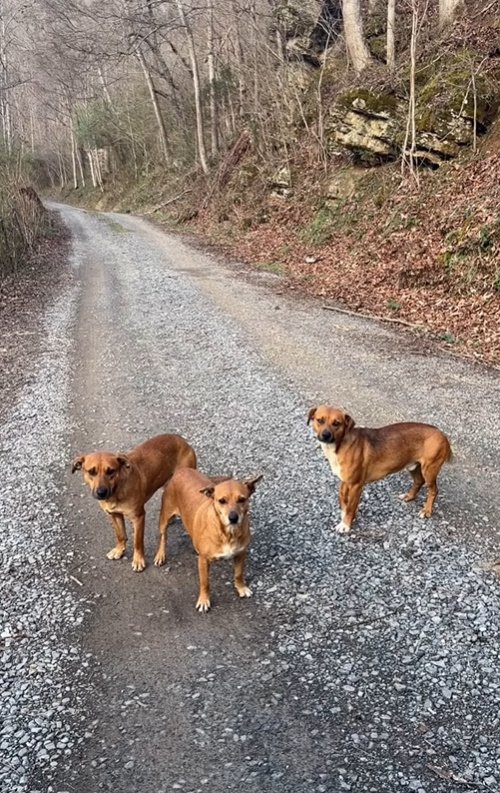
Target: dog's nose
[326, 435]
[101, 493]
[233, 517]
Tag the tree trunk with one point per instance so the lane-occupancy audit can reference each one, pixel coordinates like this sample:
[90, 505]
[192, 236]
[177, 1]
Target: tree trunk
[391, 47]
[156, 107]
[238, 49]
[4, 84]
[92, 172]
[353, 31]
[214, 121]
[411, 132]
[80, 164]
[200, 132]
[447, 11]
[73, 152]
[97, 170]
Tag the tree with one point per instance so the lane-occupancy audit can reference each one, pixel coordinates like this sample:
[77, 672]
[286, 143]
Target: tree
[447, 11]
[200, 130]
[391, 47]
[353, 31]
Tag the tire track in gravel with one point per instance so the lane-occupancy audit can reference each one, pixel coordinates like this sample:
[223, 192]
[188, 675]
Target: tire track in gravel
[366, 663]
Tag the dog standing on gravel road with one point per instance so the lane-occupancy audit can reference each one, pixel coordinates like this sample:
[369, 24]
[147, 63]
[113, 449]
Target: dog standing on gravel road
[358, 455]
[124, 483]
[216, 516]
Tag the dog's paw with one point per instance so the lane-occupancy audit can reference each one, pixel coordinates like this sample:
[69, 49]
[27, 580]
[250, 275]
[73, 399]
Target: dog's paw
[115, 553]
[342, 528]
[244, 592]
[159, 559]
[424, 514]
[203, 604]
[405, 497]
[138, 563]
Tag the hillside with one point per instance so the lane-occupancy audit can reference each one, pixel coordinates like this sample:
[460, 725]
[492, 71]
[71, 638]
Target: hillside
[362, 168]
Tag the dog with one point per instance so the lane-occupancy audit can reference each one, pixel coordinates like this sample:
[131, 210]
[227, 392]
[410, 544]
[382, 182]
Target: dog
[216, 517]
[124, 483]
[358, 455]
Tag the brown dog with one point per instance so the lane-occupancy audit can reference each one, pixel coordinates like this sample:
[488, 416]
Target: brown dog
[216, 517]
[358, 455]
[124, 483]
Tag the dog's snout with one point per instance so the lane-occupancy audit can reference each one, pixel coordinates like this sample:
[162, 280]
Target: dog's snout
[101, 493]
[326, 435]
[233, 517]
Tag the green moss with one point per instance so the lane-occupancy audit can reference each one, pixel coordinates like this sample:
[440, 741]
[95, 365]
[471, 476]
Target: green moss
[320, 230]
[376, 25]
[451, 92]
[271, 267]
[377, 103]
[378, 46]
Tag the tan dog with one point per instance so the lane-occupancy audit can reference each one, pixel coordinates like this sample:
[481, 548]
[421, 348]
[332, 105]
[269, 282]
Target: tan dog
[216, 517]
[124, 483]
[358, 455]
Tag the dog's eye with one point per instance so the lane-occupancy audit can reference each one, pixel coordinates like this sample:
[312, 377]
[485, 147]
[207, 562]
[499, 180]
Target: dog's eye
[241, 500]
[222, 500]
[110, 471]
[92, 472]
[336, 423]
[320, 421]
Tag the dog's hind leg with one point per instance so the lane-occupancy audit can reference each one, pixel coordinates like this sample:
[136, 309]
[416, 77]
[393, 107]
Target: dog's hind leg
[167, 515]
[430, 472]
[239, 572]
[418, 481]
[118, 522]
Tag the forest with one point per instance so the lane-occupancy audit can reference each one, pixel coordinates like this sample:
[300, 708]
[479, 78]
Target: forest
[349, 147]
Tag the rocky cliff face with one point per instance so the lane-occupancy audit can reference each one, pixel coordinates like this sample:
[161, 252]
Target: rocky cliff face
[458, 92]
[453, 108]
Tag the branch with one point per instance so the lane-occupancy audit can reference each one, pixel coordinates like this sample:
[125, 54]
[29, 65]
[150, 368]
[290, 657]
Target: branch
[372, 316]
[170, 201]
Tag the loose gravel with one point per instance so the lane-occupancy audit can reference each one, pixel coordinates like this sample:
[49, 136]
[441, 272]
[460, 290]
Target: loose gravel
[366, 663]
[41, 669]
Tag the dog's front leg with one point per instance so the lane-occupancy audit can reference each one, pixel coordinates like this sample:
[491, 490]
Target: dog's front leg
[203, 603]
[352, 501]
[138, 560]
[118, 522]
[343, 497]
[239, 573]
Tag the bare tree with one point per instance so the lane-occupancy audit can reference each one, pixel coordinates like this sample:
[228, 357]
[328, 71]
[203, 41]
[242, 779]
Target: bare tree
[200, 130]
[214, 121]
[353, 31]
[448, 10]
[391, 47]
[154, 101]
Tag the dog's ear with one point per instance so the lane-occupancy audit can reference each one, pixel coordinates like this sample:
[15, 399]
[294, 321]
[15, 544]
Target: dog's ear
[123, 461]
[77, 463]
[311, 414]
[348, 422]
[208, 491]
[250, 483]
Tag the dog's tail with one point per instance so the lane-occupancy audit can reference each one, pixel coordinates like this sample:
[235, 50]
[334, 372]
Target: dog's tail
[449, 454]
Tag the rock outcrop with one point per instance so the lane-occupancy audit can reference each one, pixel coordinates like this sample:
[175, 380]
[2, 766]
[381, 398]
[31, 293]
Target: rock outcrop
[451, 109]
[307, 27]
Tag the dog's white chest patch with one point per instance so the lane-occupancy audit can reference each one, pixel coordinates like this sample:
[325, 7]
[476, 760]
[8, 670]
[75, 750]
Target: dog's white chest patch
[331, 456]
[229, 550]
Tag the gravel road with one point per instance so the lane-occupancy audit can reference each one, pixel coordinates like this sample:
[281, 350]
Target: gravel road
[362, 663]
